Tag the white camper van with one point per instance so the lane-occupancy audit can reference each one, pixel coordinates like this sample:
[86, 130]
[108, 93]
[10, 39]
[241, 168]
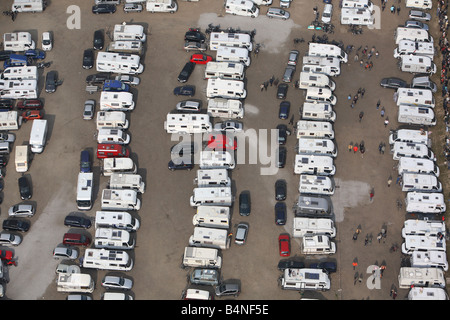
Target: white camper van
[28, 6]
[38, 135]
[115, 136]
[423, 243]
[414, 97]
[305, 279]
[75, 282]
[424, 202]
[210, 238]
[21, 158]
[329, 66]
[421, 182]
[314, 164]
[118, 165]
[421, 293]
[312, 206]
[104, 259]
[357, 16]
[116, 101]
[216, 160]
[125, 63]
[129, 32]
[202, 257]
[225, 108]
[109, 238]
[20, 73]
[228, 39]
[212, 178]
[314, 184]
[19, 89]
[363, 4]
[161, 6]
[309, 79]
[417, 165]
[18, 41]
[318, 111]
[418, 48]
[310, 226]
[116, 220]
[320, 95]
[415, 227]
[117, 199]
[429, 259]
[211, 196]
[212, 216]
[224, 70]
[228, 89]
[317, 244]
[416, 115]
[126, 181]
[325, 147]
[10, 120]
[412, 34]
[126, 46]
[411, 149]
[112, 120]
[419, 4]
[230, 54]
[327, 50]
[417, 64]
[187, 123]
[314, 129]
[242, 8]
[420, 277]
[84, 190]
[409, 135]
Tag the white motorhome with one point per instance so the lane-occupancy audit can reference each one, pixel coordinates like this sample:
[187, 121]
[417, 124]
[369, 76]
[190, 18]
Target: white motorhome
[211, 196]
[187, 123]
[320, 95]
[212, 177]
[118, 165]
[429, 259]
[424, 227]
[224, 70]
[357, 16]
[314, 184]
[419, 4]
[318, 111]
[202, 257]
[228, 89]
[229, 54]
[330, 66]
[242, 8]
[313, 68]
[18, 41]
[125, 63]
[84, 190]
[314, 164]
[327, 50]
[105, 259]
[409, 135]
[314, 129]
[28, 6]
[225, 108]
[126, 46]
[212, 216]
[420, 277]
[38, 135]
[115, 136]
[117, 199]
[20, 73]
[423, 243]
[112, 120]
[117, 220]
[18, 89]
[412, 34]
[109, 238]
[126, 181]
[10, 120]
[418, 293]
[420, 202]
[116, 101]
[317, 244]
[364, 4]
[421, 182]
[216, 160]
[129, 32]
[263, 2]
[411, 149]
[161, 6]
[312, 206]
[417, 165]
[325, 147]
[305, 279]
[414, 97]
[228, 39]
[309, 79]
[21, 158]
[310, 226]
[416, 115]
[210, 238]
[417, 64]
[196, 294]
[75, 282]
[418, 48]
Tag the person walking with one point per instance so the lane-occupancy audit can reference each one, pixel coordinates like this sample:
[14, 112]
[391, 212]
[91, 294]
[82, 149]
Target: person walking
[363, 90]
[350, 146]
[378, 104]
[382, 112]
[362, 149]
[389, 181]
[386, 122]
[261, 86]
[271, 80]
[398, 10]
[355, 148]
[361, 115]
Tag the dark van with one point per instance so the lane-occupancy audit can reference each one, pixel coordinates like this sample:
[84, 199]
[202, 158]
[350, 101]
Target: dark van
[76, 239]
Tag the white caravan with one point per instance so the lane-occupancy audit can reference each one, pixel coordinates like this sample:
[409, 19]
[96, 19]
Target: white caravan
[418, 293]
[305, 279]
[320, 95]
[229, 54]
[109, 238]
[225, 108]
[314, 184]
[210, 238]
[227, 89]
[429, 259]
[242, 8]
[411, 149]
[129, 32]
[28, 6]
[318, 111]
[314, 129]
[310, 226]
[327, 50]
[126, 181]
[118, 165]
[330, 66]
[18, 89]
[412, 34]
[212, 177]
[417, 64]
[325, 147]
[115, 136]
[228, 39]
[423, 202]
[124, 63]
[224, 70]
[357, 16]
[117, 199]
[364, 4]
[18, 41]
[317, 244]
[117, 220]
[38, 135]
[211, 196]
[423, 243]
[112, 120]
[421, 182]
[409, 135]
[10, 120]
[187, 123]
[20, 73]
[417, 165]
[424, 227]
[212, 216]
[202, 257]
[21, 158]
[416, 115]
[418, 48]
[309, 79]
[84, 190]
[161, 6]
[126, 46]
[420, 277]
[314, 164]
[419, 4]
[75, 282]
[216, 160]
[414, 97]
[116, 101]
[105, 259]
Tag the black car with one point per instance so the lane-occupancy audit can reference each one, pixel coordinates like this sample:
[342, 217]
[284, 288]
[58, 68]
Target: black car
[181, 164]
[282, 90]
[328, 266]
[104, 8]
[16, 224]
[99, 40]
[283, 112]
[184, 91]
[281, 161]
[88, 59]
[98, 78]
[3, 161]
[283, 132]
[289, 263]
[51, 82]
[186, 72]
[280, 190]
[393, 83]
[244, 203]
[6, 104]
[77, 222]
[196, 36]
[4, 55]
[24, 188]
[280, 213]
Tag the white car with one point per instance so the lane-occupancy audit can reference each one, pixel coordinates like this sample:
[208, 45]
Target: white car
[115, 282]
[88, 111]
[327, 13]
[47, 44]
[130, 80]
[278, 13]
[21, 210]
[10, 239]
[232, 126]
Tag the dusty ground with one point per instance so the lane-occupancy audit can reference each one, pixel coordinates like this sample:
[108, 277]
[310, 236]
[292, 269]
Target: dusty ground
[166, 215]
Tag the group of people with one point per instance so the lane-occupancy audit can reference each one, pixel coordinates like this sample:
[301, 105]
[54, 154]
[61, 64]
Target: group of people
[393, 9]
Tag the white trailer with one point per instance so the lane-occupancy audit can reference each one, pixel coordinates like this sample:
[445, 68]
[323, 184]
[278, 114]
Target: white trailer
[28, 6]
[117, 220]
[187, 123]
[161, 6]
[212, 177]
[104, 259]
[129, 32]
[420, 202]
[21, 158]
[211, 196]
[228, 39]
[225, 108]
[314, 164]
[227, 89]
[18, 89]
[84, 190]
[310, 226]
[212, 216]
[224, 70]
[327, 50]
[109, 238]
[20, 73]
[421, 277]
[416, 115]
[314, 129]
[210, 238]
[18, 41]
[305, 279]
[126, 181]
[38, 135]
[112, 120]
[318, 111]
[242, 8]
[125, 63]
[75, 282]
[117, 199]
[118, 165]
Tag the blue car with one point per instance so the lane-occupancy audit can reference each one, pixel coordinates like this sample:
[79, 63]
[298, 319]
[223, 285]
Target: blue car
[35, 54]
[85, 161]
[16, 60]
[115, 85]
[328, 266]
[284, 109]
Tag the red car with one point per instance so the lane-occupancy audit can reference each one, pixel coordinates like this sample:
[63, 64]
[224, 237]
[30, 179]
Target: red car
[6, 255]
[32, 114]
[200, 58]
[221, 142]
[284, 243]
[31, 104]
[108, 150]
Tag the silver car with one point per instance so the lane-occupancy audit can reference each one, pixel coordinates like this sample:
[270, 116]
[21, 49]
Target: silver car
[241, 233]
[10, 239]
[232, 126]
[288, 73]
[21, 210]
[192, 45]
[115, 282]
[88, 111]
[416, 25]
[189, 105]
[131, 80]
[278, 13]
[293, 57]
[7, 137]
[419, 15]
[132, 7]
[65, 252]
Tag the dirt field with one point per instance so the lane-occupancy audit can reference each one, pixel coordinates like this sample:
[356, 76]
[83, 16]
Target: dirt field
[166, 217]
